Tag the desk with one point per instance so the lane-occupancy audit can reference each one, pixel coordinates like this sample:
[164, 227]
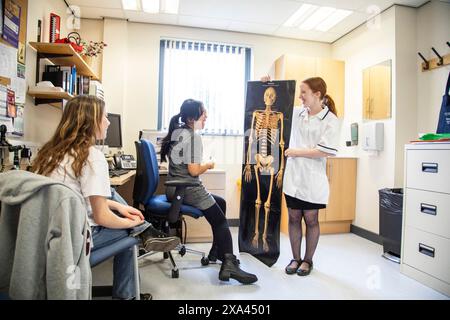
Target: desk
[121, 180]
[124, 185]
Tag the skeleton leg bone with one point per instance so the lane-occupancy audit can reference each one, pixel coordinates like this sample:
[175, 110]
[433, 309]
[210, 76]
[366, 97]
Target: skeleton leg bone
[267, 212]
[257, 208]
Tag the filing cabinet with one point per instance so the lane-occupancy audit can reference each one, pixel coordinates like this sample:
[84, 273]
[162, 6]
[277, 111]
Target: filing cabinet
[426, 225]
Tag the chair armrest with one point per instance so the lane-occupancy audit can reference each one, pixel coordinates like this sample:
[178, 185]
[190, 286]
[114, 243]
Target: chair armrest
[180, 183]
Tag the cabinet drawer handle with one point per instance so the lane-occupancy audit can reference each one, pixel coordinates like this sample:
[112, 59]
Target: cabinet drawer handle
[429, 167]
[426, 250]
[428, 209]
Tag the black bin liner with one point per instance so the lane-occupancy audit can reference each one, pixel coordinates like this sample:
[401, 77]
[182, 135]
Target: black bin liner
[391, 212]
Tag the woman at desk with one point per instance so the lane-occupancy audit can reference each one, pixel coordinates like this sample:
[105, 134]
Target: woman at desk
[71, 158]
[183, 148]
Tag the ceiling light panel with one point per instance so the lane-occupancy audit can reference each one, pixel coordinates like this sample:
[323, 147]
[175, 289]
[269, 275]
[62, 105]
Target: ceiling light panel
[170, 6]
[150, 6]
[317, 17]
[333, 20]
[300, 15]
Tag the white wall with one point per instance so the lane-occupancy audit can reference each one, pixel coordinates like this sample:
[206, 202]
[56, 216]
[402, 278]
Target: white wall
[368, 45]
[40, 121]
[433, 30]
[131, 74]
[406, 86]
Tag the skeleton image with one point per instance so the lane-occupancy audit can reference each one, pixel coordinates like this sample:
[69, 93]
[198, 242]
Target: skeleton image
[265, 130]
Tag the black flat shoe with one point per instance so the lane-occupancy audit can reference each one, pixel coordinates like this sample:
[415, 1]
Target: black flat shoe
[302, 272]
[290, 270]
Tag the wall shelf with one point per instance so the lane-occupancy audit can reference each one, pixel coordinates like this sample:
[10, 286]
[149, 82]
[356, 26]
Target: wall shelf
[60, 54]
[49, 97]
[63, 54]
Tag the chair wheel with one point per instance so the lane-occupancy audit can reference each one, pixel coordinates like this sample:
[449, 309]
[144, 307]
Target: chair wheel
[175, 274]
[204, 261]
[182, 251]
[165, 255]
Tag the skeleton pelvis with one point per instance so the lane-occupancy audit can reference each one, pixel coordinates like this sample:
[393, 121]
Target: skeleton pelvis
[263, 161]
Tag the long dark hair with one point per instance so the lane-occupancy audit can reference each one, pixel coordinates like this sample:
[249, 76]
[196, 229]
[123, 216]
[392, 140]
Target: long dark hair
[318, 84]
[190, 110]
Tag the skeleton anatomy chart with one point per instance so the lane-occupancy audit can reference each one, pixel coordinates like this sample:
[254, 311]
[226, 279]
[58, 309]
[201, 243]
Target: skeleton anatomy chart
[267, 126]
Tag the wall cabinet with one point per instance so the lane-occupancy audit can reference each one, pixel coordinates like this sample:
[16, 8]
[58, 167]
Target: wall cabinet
[377, 91]
[293, 67]
[340, 211]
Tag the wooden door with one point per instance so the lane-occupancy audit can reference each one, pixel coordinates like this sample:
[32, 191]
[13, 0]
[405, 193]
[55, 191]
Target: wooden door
[333, 72]
[342, 179]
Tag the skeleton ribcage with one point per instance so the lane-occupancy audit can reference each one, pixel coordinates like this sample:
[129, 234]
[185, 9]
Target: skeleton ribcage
[266, 131]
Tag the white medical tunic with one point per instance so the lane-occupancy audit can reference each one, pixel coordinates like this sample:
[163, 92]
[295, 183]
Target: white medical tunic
[306, 178]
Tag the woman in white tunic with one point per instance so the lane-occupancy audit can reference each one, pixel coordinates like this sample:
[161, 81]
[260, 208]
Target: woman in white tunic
[314, 137]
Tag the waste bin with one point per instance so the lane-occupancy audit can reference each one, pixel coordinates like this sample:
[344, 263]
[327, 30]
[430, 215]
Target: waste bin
[391, 212]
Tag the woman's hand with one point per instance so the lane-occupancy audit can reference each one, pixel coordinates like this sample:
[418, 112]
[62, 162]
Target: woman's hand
[134, 223]
[265, 78]
[291, 153]
[130, 212]
[210, 165]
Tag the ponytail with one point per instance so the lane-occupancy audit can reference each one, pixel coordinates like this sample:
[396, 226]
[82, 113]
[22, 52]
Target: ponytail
[166, 141]
[329, 102]
[317, 84]
[190, 110]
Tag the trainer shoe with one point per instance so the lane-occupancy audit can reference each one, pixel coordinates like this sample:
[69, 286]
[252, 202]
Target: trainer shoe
[155, 240]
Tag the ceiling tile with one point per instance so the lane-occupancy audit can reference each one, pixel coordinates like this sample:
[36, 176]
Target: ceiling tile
[252, 27]
[140, 16]
[98, 13]
[202, 22]
[111, 4]
[255, 11]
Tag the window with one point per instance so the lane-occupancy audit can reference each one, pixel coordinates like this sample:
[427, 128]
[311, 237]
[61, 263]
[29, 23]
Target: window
[213, 73]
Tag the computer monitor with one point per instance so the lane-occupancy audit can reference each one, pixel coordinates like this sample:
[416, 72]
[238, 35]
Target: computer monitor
[114, 133]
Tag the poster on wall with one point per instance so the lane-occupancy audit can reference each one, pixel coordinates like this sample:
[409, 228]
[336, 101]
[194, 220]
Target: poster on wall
[267, 127]
[18, 120]
[11, 104]
[11, 23]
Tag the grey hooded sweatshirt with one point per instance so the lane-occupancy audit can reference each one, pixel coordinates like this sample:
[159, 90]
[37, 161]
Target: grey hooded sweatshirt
[44, 239]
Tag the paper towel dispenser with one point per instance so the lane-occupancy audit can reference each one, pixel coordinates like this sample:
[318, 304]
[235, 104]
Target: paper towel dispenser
[372, 136]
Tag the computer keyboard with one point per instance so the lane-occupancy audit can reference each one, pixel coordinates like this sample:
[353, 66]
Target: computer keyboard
[117, 172]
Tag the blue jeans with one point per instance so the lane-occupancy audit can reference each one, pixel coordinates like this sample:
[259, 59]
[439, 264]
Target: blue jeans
[123, 268]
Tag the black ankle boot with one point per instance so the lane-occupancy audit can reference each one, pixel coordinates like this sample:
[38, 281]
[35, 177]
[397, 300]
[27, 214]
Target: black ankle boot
[230, 269]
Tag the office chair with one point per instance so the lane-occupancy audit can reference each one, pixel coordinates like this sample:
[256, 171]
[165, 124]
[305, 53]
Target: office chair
[156, 208]
[106, 252]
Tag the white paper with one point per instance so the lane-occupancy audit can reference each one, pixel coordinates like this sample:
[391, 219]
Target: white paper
[3, 97]
[19, 86]
[8, 122]
[8, 61]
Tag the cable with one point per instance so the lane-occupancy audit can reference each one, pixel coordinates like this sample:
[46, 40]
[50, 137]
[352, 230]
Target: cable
[71, 10]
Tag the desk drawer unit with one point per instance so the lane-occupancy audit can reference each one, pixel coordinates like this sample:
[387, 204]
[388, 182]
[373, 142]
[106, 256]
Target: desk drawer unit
[429, 211]
[428, 170]
[427, 252]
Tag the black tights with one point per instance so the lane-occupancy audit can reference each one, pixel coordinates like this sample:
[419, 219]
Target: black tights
[215, 215]
[312, 232]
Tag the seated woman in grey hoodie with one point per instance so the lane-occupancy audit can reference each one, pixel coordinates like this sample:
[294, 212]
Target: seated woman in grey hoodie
[71, 158]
